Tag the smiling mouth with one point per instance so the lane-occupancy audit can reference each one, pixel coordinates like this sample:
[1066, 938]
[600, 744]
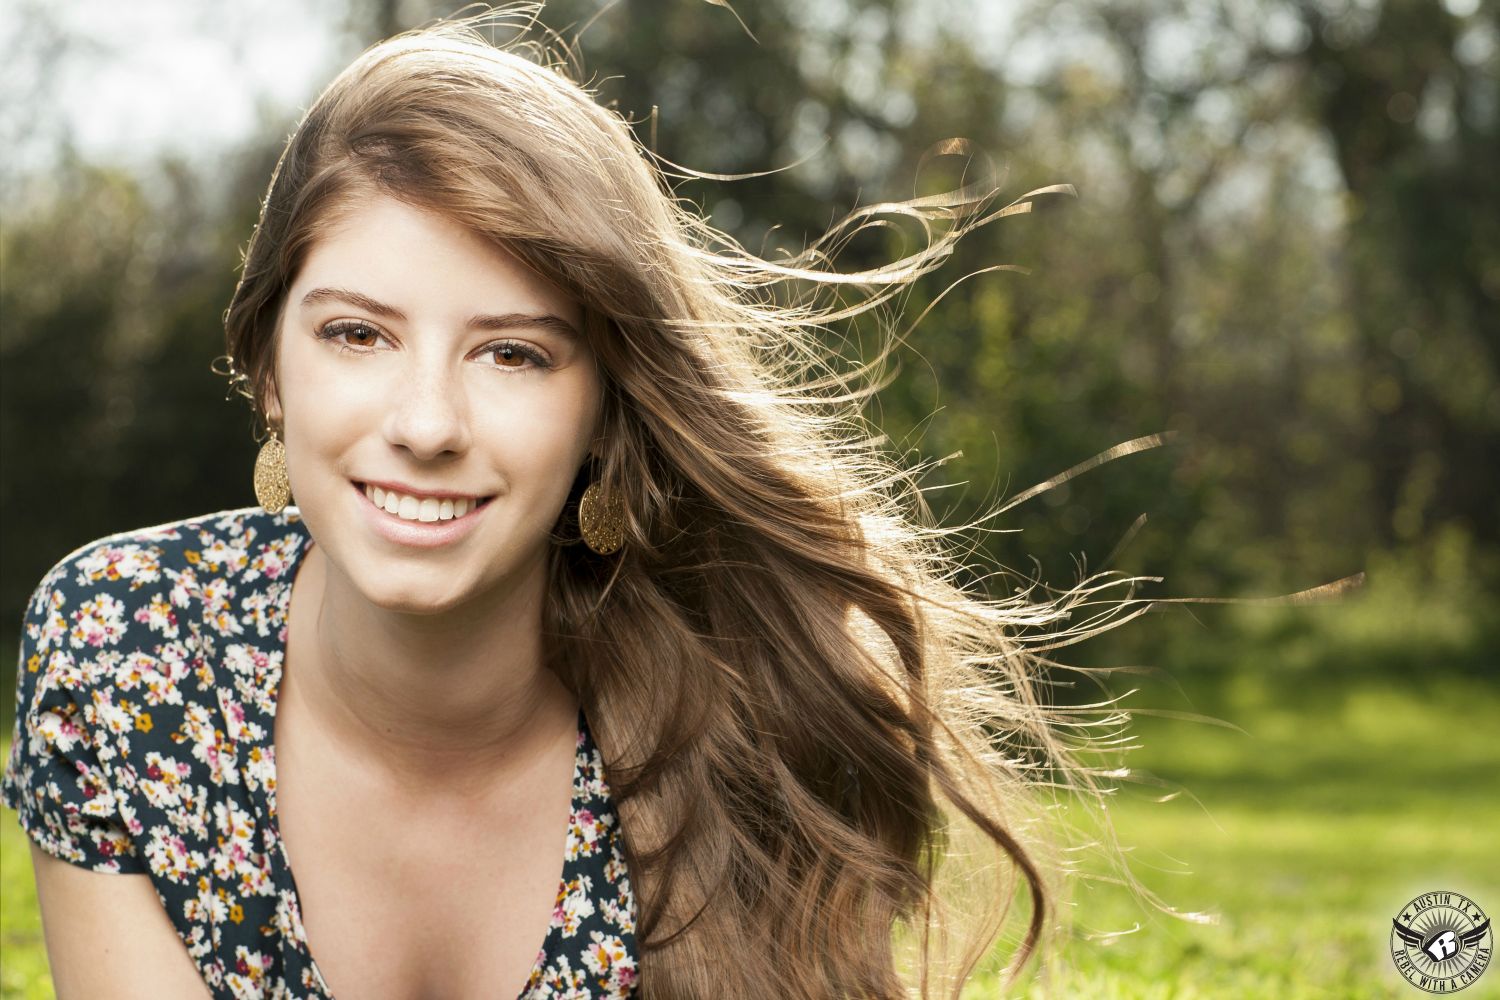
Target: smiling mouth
[421, 509]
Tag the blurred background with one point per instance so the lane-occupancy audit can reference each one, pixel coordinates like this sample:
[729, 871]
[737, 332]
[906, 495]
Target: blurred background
[1285, 249]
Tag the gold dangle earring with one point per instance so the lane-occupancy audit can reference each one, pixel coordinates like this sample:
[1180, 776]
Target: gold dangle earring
[272, 487]
[601, 522]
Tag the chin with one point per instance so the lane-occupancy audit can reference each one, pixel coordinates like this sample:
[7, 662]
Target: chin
[409, 603]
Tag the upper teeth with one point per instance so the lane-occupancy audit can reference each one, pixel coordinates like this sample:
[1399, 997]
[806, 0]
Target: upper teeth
[410, 508]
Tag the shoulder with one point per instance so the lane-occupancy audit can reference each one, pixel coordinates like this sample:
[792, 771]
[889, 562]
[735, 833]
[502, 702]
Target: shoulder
[119, 591]
[118, 651]
[247, 543]
[139, 581]
[140, 611]
[153, 599]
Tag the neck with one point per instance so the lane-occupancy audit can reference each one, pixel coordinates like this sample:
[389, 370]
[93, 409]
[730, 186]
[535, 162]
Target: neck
[424, 702]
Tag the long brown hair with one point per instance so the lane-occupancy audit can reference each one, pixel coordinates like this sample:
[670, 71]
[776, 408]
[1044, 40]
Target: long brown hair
[804, 717]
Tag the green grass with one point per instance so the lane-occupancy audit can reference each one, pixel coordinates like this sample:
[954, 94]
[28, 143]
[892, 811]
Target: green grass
[23, 955]
[1307, 836]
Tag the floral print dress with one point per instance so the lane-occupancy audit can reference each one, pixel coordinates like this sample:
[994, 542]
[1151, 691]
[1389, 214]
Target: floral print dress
[145, 701]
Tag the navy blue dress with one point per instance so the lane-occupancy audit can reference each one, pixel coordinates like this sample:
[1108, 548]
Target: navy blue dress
[150, 662]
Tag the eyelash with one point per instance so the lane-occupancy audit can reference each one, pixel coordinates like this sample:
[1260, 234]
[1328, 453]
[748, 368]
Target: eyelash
[329, 331]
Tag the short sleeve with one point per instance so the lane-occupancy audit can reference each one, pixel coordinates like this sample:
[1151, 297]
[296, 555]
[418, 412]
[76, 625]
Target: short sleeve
[57, 775]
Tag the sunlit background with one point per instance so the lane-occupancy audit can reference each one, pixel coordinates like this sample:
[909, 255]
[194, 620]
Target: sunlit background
[1284, 253]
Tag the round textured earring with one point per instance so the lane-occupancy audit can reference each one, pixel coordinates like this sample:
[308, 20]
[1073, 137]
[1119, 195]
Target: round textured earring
[601, 522]
[272, 488]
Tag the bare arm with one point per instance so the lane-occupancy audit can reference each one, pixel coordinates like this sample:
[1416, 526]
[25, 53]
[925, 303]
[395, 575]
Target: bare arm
[108, 936]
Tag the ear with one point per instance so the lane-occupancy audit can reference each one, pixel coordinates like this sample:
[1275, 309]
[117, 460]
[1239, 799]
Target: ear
[595, 450]
[274, 416]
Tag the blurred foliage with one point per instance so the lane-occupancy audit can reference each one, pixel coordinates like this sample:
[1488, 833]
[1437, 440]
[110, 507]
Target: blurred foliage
[1283, 250]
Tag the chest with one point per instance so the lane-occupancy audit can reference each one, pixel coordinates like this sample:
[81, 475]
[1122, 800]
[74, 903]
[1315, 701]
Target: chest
[403, 900]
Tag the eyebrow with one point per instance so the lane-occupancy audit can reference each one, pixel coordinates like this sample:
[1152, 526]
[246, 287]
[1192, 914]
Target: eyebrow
[480, 321]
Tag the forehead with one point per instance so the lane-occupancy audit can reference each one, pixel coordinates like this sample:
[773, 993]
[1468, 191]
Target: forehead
[414, 258]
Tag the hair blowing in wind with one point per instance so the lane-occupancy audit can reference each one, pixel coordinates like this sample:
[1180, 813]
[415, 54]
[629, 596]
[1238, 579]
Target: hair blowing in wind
[836, 772]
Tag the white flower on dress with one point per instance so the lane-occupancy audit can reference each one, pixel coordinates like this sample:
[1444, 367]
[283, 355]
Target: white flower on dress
[169, 856]
[136, 563]
[574, 905]
[98, 622]
[158, 616]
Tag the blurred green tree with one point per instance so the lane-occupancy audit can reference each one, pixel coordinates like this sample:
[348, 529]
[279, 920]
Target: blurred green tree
[1282, 249]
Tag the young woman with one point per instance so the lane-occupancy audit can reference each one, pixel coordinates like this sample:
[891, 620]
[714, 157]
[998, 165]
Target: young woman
[582, 644]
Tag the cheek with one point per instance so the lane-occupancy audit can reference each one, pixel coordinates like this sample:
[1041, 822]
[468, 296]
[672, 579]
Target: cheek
[323, 410]
[530, 435]
[327, 394]
[540, 432]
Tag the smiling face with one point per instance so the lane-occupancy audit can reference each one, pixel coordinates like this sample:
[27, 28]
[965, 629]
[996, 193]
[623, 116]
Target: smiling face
[413, 353]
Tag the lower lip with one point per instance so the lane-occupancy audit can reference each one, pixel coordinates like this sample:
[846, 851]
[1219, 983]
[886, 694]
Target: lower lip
[419, 534]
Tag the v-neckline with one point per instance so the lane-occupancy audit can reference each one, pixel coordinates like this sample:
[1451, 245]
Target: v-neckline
[280, 863]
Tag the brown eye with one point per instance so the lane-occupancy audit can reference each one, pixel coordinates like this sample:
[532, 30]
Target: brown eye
[507, 353]
[346, 336]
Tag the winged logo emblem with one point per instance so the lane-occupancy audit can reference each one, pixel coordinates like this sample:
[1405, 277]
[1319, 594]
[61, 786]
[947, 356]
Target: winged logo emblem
[1442, 945]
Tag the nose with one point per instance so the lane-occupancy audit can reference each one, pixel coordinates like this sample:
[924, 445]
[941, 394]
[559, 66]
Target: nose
[427, 411]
